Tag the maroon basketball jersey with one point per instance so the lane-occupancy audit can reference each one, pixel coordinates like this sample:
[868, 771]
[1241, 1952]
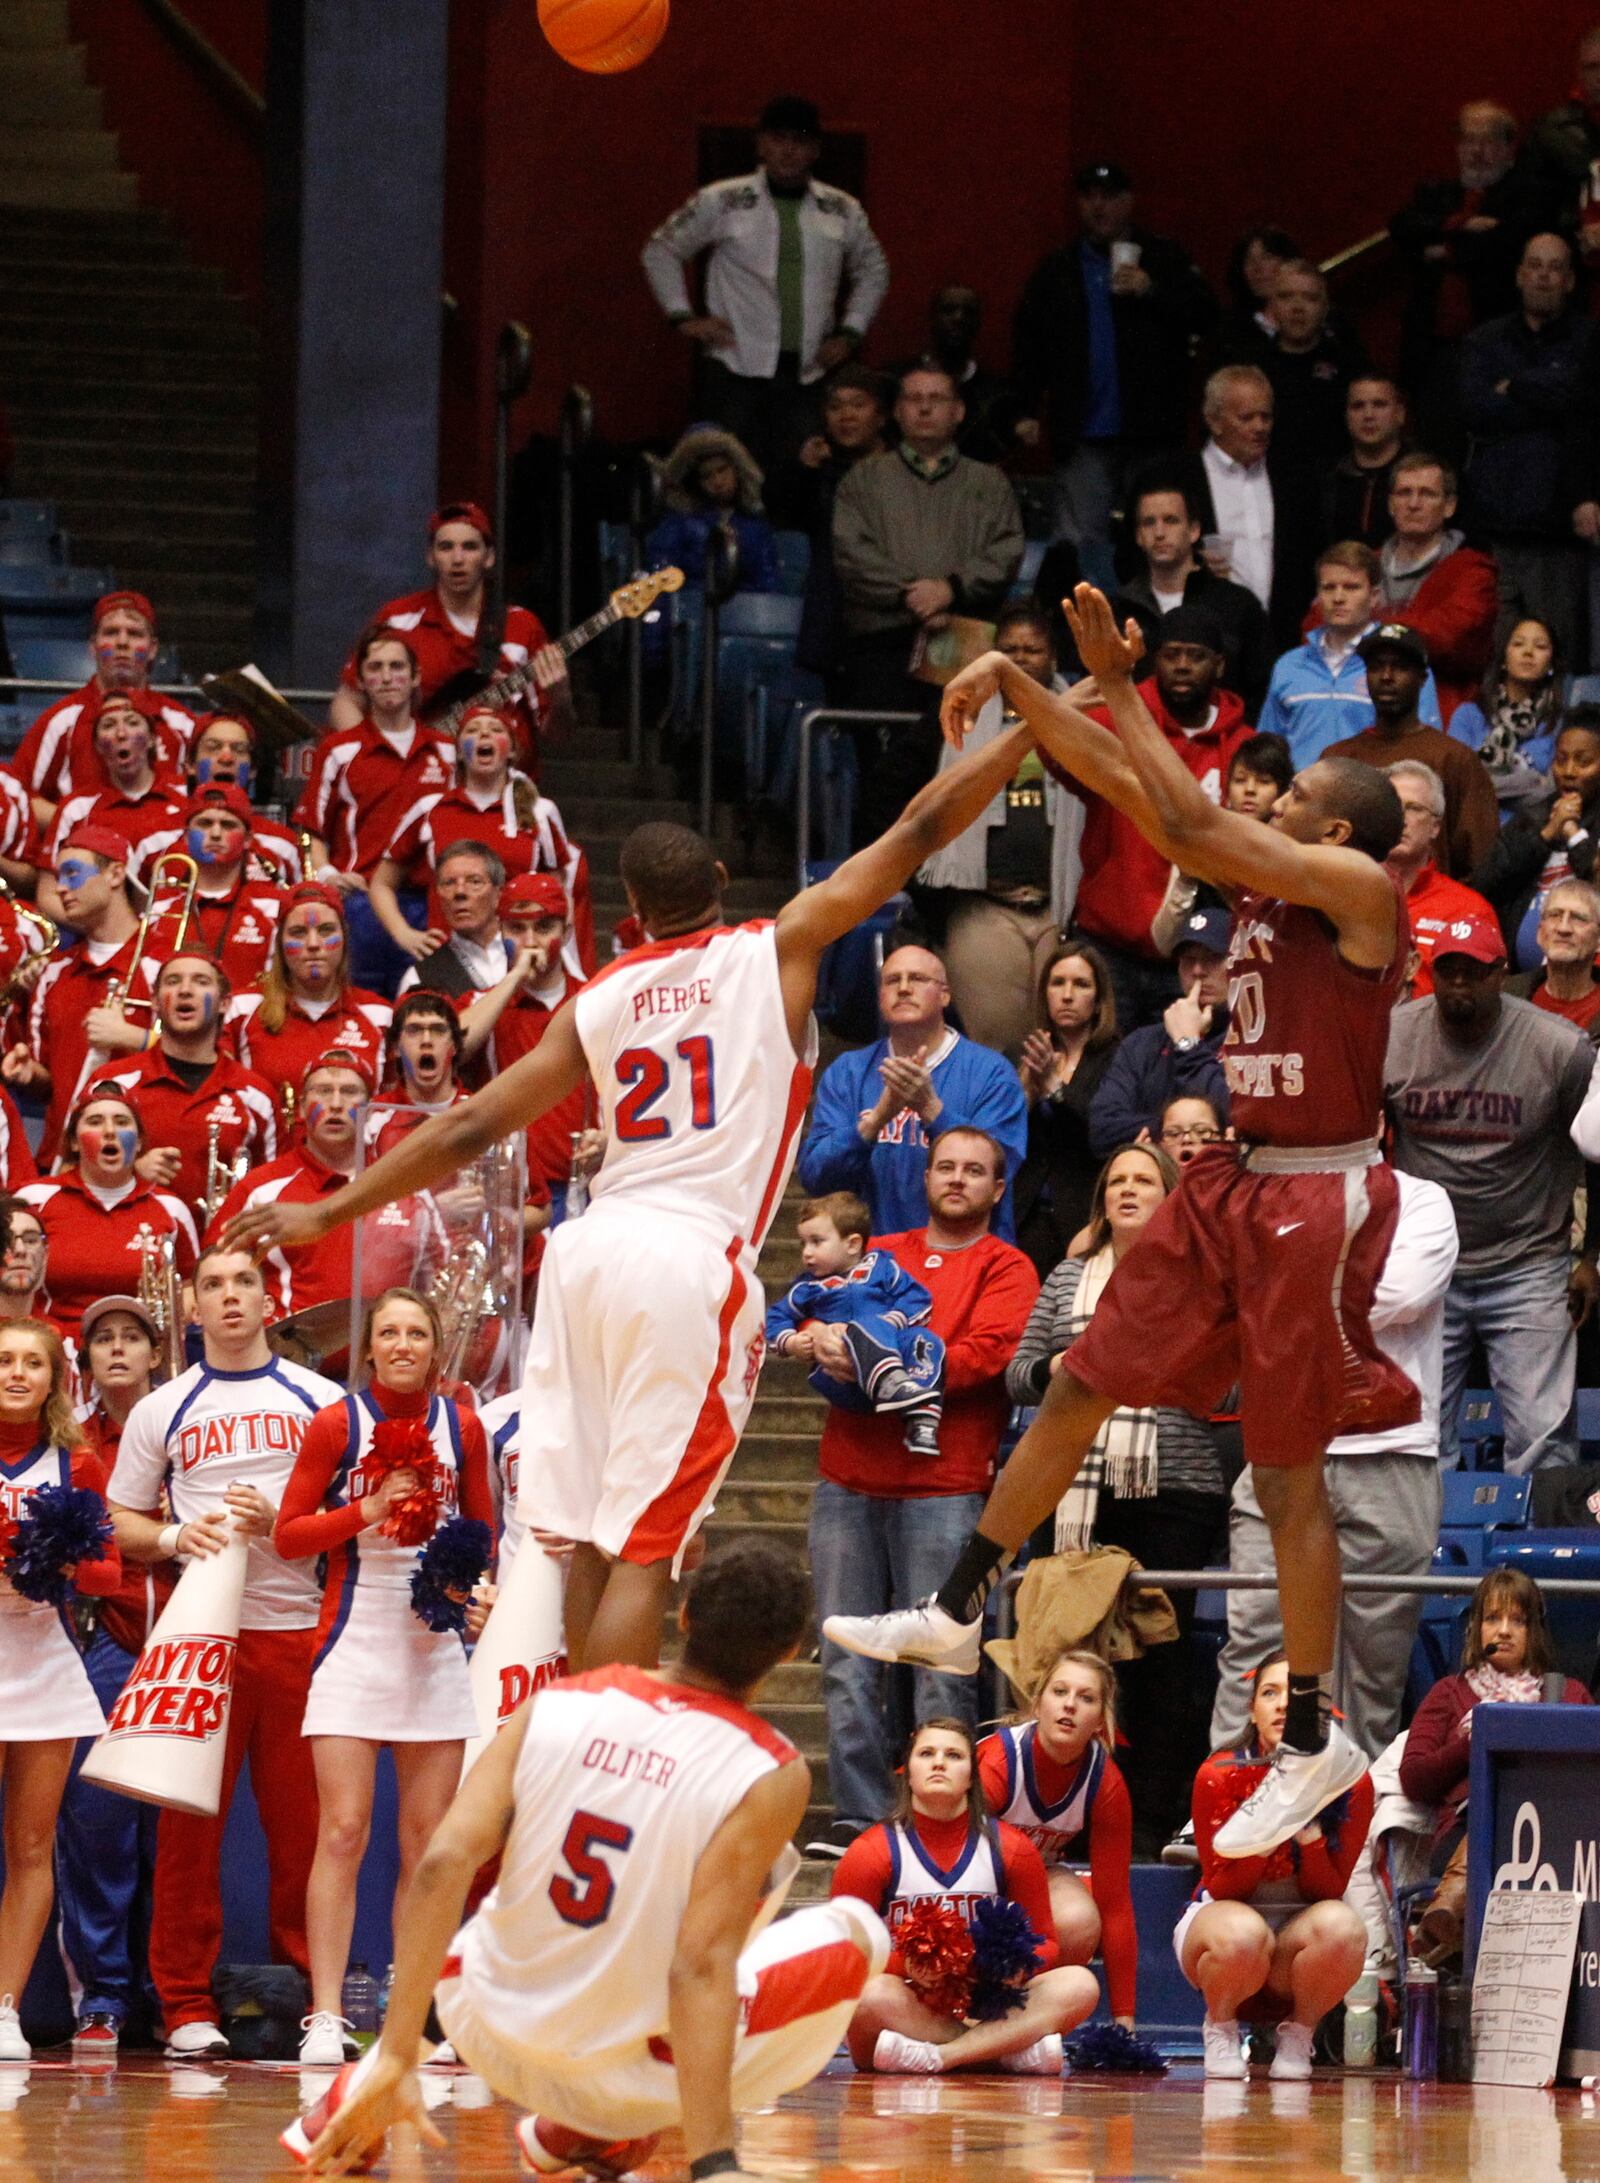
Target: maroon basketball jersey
[1307, 1031]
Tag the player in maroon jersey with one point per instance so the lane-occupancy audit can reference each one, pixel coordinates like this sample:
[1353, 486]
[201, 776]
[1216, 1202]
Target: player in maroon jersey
[1261, 1268]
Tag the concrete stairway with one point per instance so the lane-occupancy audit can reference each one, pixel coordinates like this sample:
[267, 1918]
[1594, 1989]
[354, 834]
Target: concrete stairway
[54, 150]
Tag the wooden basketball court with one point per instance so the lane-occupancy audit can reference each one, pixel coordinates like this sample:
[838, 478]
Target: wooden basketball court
[146, 2123]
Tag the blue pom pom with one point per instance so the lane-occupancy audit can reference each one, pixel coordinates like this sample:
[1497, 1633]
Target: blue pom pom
[63, 1526]
[1005, 1955]
[1110, 2047]
[452, 1562]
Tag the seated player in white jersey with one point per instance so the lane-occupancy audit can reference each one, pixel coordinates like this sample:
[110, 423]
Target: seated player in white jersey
[618, 1980]
[648, 1337]
[1052, 1777]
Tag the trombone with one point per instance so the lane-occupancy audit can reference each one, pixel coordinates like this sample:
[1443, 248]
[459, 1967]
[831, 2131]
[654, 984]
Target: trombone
[120, 993]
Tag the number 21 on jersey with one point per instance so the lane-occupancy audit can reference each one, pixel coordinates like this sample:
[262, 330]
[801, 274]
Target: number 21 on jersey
[647, 1077]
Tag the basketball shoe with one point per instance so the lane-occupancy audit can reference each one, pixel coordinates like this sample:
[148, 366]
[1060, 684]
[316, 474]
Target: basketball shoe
[550, 2148]
[1297, 1785]
[923, 1635]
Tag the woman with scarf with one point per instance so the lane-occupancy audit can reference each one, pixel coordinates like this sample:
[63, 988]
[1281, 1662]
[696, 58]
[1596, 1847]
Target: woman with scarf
[1506, 1659]
[1151, 1484]
[1271, 1938]
[375, 1476]
[1513, 723]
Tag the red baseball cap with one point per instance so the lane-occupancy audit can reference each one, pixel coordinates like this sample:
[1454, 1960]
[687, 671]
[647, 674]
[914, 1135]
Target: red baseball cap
[226, 795]
[340, 1057]
[313, 890]
[237, 720]
[1477, 937]
[135, 602]
[461, 511]
[97, 841]
[535, 891]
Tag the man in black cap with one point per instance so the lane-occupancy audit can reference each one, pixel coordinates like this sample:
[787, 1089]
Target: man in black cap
[1104, 335]
[792, 282]
[1179, 1057]
[1396, 661]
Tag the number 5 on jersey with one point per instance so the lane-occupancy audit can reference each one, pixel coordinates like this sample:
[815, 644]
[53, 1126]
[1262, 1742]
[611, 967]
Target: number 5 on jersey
[585, 1898]
[649, 1077]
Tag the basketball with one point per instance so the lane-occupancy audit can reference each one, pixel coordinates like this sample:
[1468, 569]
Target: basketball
[604, 36]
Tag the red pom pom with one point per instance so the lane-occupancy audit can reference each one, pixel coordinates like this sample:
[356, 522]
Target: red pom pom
[934, 1946]
[404, 1443]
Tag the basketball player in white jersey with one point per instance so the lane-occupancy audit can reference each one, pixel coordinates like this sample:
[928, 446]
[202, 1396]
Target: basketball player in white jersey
[221, 1440]
[648, 1337]
[617, 1979]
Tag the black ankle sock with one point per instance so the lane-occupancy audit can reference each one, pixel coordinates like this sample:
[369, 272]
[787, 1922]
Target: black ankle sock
[976, 1573]
[1305, 1724]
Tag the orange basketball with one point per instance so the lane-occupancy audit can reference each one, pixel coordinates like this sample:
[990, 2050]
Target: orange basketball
[604, 36]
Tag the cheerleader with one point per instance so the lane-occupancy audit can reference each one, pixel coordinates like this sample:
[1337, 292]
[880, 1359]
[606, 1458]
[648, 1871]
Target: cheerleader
[1271, 1937]
[381, 1676]
[46, 1699]
[941, 1846]
[1053, 1778]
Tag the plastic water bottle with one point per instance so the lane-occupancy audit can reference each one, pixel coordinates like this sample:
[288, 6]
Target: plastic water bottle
[1422, 2023]
[384, 1986]
[358, 2003]
[1361, 2022]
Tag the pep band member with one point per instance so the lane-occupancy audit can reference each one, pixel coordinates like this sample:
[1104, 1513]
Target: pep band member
[307, 1002]
[381, 1676]
[46, 1699]
[942, 1846]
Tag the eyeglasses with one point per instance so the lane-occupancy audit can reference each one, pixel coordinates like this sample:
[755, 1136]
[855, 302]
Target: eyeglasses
[1188, 1134]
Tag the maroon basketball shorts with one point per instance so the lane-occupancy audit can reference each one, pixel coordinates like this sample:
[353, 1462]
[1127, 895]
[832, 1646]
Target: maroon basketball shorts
[1258, 1270]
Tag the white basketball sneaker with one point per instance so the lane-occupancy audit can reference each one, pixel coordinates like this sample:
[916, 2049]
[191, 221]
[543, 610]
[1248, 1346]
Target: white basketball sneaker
[898, 2056]
[923, 1635]
[1042, 2059]
[13, 2047]
[1298, 1785]
[1224, 2051]
[1291, 2064]
[324, 2045]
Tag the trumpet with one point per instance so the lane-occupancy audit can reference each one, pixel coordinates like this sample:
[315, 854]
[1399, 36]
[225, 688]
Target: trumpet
[287, 1103]
[221, 1174]
[161, 1294]
[120, 993]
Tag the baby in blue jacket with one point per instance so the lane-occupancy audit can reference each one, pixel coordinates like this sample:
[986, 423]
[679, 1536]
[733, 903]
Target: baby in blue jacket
[881, 1311]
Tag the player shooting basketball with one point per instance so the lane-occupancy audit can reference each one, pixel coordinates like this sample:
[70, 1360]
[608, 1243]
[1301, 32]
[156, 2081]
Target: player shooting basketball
[1261, 1269]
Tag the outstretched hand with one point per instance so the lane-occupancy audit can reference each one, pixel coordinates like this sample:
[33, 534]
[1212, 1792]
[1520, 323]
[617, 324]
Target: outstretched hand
[388, 2094]
[966, 694]
[1107, 652]
[262, 1228]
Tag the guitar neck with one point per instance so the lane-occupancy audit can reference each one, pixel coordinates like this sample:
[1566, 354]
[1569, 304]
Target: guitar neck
[519, 679]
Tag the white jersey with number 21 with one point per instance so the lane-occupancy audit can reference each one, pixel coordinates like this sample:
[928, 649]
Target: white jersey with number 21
[701, 1096]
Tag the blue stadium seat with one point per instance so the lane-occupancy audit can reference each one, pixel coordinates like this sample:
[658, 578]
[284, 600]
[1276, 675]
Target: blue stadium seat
[756, 633]
[1482, 1430]
[1588, 1409]
[27, 519]
[1584, 690]
[36, 583]
[847, 977]
[794, 561]
[1574, 1620]
[1484, 1501]
[15, 720]
[53, 658]
[29, 549]
[1032, 557]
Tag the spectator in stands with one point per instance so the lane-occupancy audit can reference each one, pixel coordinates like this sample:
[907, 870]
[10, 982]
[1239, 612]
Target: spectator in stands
[712, 491]
[1167, 535]
[1014, 872]
[1569, 941]
[1387, 1498]
[883, 1520]
[1563, 145]
[1310, 363]
[130, 802]
[1252, 268]
[98, 1209]
[451, 641]
[1355, 492]
[1433, 581]
[1064, 1061]
[1189, 1122]
[1507, 1658]
[466, 952]
[1259, 772]
[1396, 660]
[363, 781]
[1434, 902]
[1270, 1937]
[793, 281]
[988, 431]
[1512, 723]
[1461, 238]
[222, 756]
[1124, 880]
[56, 758]
[423, 1044]
[1103, 338]
[308, 1001]
[1257, 510]
[1482, 1090]
[919, 533]
[800, 496]
[78, 1013]
[878, 1109]
[1318, 693]
[186, 1087]
[1552, 839]
[1526, 389]
[24, 1261]
[1179, 1055]
[1152, 1485]
[234, 915]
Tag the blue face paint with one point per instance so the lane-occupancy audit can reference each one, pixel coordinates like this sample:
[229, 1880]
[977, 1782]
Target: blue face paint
[195, 842]
[129, 1141]
[75, 872]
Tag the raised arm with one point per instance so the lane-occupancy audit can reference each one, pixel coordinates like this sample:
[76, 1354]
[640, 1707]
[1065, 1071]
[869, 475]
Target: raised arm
[1349, 887]
[431, 1154]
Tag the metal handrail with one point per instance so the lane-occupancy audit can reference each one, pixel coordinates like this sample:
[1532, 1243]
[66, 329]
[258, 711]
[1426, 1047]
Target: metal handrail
[1264, 1580]
[161, 689]
[237, 90]
[835, 717]
[1347, 256]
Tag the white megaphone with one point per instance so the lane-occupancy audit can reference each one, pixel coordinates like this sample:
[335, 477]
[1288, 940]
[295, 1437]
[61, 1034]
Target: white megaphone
[521, 1648]
[167, 1734]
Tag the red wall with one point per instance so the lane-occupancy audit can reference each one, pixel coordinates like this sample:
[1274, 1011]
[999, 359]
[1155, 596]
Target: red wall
[195, 158]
